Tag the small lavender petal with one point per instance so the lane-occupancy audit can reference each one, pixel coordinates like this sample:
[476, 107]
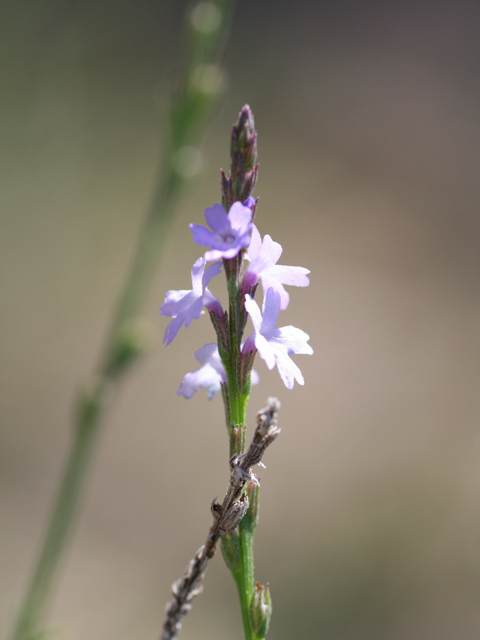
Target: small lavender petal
[230, 233]
[217, 218]
[294, 339]
[172, 299]
[219, 254]
[276, 345]
[184, 306]
[209, 376]
[211, 271]
[294, 276]
[254, 377]
[271, 309]
[263, 257]
[193, 312]
[204, 378]
[240, 216]
[197, 276]
[273, 283]
[254, 312]
[266, 350]
[202, 235]
[172, 330]
[288, 370]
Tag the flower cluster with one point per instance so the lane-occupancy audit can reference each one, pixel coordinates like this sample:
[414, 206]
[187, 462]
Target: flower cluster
[230, 238]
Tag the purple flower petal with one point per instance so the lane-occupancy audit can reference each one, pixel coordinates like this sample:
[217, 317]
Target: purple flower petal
[202, 235]
[210, 376]
[217, 218]
[172, 330]
[271, 309]
[240, 217]
[254, 312]
[276, 345]
[288, 370]
[230, 233]
[263, 257]
[184, 306]
[210, 272]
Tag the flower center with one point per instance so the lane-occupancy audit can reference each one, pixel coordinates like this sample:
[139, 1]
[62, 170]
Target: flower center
[229, 239]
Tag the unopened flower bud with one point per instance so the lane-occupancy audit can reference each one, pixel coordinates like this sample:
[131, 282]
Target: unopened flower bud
[260, 610]
[241, 179]
[244, 139]
[231, 552]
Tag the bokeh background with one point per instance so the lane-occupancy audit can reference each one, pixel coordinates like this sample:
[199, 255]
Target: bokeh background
[368, 116]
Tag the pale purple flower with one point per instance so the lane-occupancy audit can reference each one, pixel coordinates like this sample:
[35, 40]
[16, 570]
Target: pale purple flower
[230, 233]
[209, 376]
[263, 265]
[276, 345]
[186, 305]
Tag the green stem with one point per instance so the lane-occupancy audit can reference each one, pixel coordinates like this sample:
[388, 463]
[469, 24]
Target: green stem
[63, 516]
[90, 411]
[188, 115]
[245, 580]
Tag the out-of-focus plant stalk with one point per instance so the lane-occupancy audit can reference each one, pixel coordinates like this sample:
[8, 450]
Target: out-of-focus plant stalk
[188, 113]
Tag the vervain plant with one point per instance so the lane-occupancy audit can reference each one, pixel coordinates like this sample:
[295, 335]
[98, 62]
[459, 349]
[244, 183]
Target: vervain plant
[235, 245]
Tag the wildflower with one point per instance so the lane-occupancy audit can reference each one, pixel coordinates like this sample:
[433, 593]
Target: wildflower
[186, 305]
[230, 232]
[210, 376]
[275, 345]
[263, 266]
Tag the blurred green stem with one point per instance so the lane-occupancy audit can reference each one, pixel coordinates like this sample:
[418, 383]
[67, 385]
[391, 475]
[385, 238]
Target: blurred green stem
[188, 114]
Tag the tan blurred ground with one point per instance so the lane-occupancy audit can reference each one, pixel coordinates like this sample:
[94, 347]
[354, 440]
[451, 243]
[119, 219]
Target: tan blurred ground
[368, 121]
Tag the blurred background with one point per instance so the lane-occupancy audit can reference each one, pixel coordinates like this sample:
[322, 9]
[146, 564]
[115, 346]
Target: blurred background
[369, 149]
